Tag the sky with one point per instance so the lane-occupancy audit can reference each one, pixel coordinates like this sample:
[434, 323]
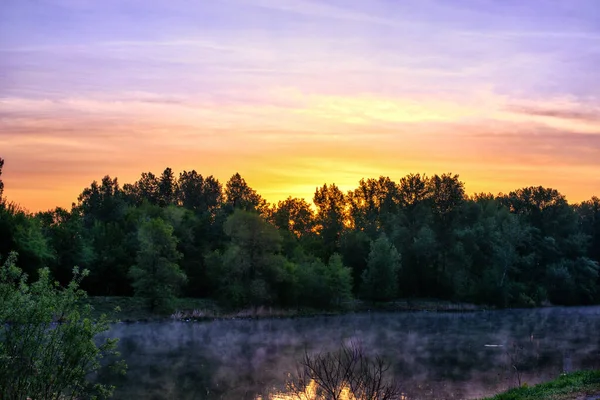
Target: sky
[293, 94]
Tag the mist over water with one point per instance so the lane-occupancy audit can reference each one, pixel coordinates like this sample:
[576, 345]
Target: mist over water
[433, 355]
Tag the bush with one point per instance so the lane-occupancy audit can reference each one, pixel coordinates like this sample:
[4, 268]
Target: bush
[47, 338]
[348, 373]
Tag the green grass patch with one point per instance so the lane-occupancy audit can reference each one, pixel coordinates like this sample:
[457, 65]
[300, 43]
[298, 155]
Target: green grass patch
[576, 385]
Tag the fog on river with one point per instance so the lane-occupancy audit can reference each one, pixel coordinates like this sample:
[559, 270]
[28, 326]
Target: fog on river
[433, 355]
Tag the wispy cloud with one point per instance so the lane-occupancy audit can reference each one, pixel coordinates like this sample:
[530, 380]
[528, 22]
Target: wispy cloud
[294, 93]
[592, 116]
[321, 9]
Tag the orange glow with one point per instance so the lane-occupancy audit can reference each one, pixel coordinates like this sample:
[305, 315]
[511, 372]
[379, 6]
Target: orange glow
[290, 150]
[310, 393]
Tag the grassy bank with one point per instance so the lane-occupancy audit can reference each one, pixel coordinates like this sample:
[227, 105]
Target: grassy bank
[581, 385]
[135, 309]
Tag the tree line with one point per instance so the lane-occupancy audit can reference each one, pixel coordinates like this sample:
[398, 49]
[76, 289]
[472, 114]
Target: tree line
[423, 236]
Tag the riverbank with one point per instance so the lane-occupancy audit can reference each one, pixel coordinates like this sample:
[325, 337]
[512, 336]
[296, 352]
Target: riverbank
[132, 309]
[581, 385]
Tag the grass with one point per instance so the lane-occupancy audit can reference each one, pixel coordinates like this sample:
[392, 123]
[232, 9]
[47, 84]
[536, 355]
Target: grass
[433, 305]
[574, 386]
[135, 309]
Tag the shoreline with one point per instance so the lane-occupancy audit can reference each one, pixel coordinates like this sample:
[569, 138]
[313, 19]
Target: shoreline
[133, 309]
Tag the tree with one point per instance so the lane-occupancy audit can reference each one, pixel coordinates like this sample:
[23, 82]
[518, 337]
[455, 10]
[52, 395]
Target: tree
[348, 373]
[1, 183]
[48, 338]
[355, 248]
[380, 279]
[447, 198]
[22, 232]
[293, 215]
[64, 232]
[157, 276]
[247, 272]
[330, 218]
[238, 195]
[145, 189]
[589, 224]
[114, 251]
[104, 202]
[197, 193]
[339, 280]
[167, 188]
[545, 209]
[295, 220]
[573, 282]
[414, 189]
[372, 204]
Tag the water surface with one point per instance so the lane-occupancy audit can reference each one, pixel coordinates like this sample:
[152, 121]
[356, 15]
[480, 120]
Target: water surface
[433, 355]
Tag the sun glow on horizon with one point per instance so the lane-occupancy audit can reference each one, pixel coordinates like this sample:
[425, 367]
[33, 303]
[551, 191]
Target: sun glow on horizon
[332, 93]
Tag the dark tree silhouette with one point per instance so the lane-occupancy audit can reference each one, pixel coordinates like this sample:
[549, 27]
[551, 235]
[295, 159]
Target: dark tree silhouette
[520, 249]
[1, 183]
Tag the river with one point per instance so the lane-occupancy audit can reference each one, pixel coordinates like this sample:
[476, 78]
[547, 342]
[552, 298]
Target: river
[433, 355]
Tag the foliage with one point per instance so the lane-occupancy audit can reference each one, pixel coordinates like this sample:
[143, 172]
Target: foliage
[48, 339]
[523, 248]
[323, 285]
[380, 279]
[1, 183]
[238, 195]
[246, 270]
[22, 233]
[331, 216]
[157, 276]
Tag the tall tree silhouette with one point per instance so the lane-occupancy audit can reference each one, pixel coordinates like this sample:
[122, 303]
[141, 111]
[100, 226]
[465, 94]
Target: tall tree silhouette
[197, 193]
[293, 215]
[1, 183]
[330, 218]
[238, 195]
[167, 188]
[373, 204]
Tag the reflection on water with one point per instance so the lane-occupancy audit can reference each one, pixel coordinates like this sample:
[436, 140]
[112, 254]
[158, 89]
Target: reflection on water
[310, 393]
[433, 355]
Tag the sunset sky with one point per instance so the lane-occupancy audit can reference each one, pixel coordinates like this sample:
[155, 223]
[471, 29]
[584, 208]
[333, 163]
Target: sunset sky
[296, 93]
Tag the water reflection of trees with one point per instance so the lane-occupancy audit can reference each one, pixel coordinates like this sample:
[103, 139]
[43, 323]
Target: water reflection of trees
[434, 355]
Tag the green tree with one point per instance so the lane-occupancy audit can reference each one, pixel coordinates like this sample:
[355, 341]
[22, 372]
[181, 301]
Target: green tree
[157, 276]
[22, 232]
[339, 280]
[447, 198]
[247, 272]
[572, 282]
[48, 338]
[380, 279]
[355, 248]
[323, 285]
[64, 232]
[588, 213]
